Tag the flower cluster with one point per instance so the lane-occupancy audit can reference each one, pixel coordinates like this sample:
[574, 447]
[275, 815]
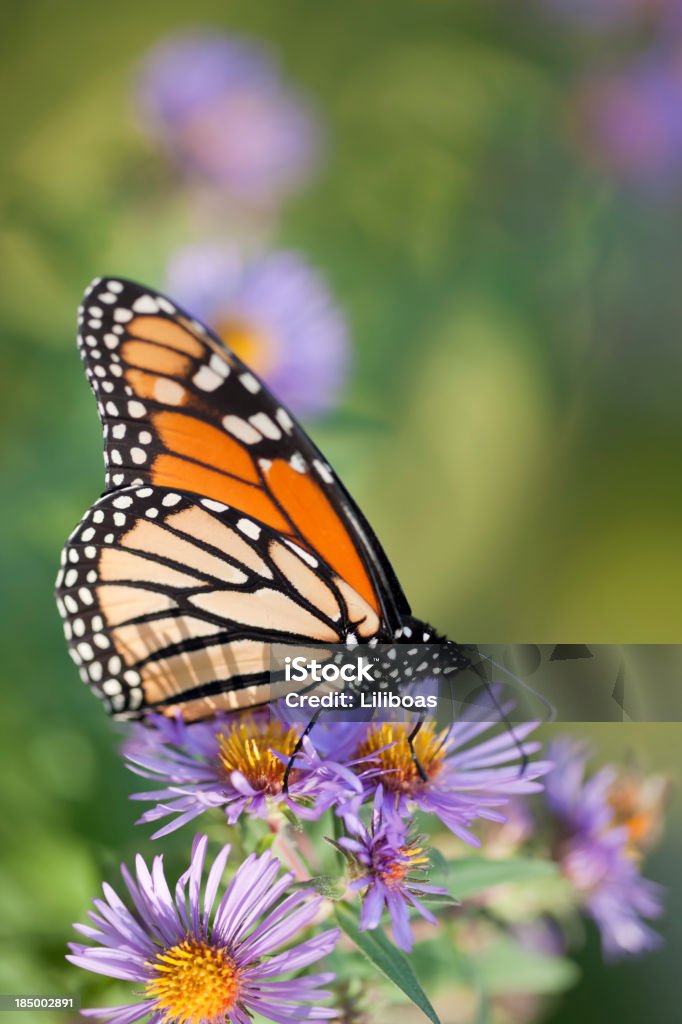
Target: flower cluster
[202, 962]
[600, 831]
[239, 761]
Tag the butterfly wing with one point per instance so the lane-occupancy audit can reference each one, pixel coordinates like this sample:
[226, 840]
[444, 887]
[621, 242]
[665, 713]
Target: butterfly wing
[222, 529]
[170, 601]
[180, 410]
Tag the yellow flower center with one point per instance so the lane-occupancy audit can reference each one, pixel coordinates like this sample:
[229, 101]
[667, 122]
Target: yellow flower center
[247, 748]
[251, 345]
[638, 805]
[194, 981]
[413, 859]
[400, 773]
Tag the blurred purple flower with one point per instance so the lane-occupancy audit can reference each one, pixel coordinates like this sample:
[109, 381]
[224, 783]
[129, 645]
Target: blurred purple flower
[385, 859]
[581, 805]
[604, 14]
[596, 855]
[276, 313]
[630, 123]
[224, 114]
[231, 762]
[202, 965]
[466, 778]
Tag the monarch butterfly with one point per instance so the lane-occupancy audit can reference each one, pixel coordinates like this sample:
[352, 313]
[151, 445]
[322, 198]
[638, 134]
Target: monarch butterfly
[222, 529]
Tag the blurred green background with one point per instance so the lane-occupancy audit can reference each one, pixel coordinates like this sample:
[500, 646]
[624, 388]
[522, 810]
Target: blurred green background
[512, 428]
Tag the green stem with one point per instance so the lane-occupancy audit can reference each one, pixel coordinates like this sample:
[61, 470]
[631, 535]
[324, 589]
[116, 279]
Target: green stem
[283, 846]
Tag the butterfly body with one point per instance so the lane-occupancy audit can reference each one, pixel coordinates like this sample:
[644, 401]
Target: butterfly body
[222, 530]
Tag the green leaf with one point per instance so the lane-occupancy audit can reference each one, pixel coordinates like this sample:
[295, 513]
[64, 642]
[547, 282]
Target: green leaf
[470, 875]
[389, 960]
[329, 886]
[292, 818]
[508, 967]
[345, 855]
[265, 842]
[438, 899]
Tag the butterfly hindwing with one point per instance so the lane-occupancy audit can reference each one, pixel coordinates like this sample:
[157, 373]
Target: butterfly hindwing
[171, 602]
[181, 412]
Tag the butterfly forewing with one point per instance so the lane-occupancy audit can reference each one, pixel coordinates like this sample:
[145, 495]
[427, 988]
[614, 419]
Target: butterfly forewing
[180, 411]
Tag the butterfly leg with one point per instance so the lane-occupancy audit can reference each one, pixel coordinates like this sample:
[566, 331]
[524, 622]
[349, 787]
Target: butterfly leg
[297, 749]
[410, 739]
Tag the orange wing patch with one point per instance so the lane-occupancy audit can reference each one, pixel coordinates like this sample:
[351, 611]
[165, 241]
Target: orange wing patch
[179, 474]
[166, 332]
[184, 435]
[319, 525]
[147, 356]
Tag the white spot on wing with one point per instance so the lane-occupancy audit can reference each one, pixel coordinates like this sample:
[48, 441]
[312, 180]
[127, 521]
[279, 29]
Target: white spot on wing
[250, 383]
[214, 506]
[261, 421]
[168, 391]
[146, 304]
[242, 430]
[305, 555]
[249, 528]
[284, 420]
[207, 379]
[324, 471]
[218, 364]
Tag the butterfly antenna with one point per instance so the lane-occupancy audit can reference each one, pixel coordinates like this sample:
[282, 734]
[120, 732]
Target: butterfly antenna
[503, 717]
[522, 684]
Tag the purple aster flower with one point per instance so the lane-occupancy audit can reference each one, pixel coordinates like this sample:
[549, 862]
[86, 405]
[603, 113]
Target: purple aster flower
[594, 847]
[202, 964]
[385, 858]
[235, 762]
[630, 123]
[276, 313]
[222, 111]
[466, 777]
